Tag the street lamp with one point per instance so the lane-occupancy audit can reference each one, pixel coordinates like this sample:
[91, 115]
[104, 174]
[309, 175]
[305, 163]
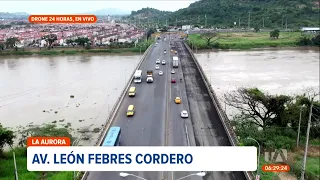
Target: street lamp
[74, 144]
[201, 174]
[258, 155]
[298, 137]
[122, 174]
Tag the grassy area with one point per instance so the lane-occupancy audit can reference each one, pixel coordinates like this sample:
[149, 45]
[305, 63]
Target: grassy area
[313, 163]
[246, 40]
[7, 168]
[72, 51]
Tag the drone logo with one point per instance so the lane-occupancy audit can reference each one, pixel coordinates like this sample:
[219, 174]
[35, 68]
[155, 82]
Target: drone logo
[277, 155]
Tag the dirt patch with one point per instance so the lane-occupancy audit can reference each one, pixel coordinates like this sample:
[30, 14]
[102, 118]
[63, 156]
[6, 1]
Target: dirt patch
[287, 176]
[313, 151]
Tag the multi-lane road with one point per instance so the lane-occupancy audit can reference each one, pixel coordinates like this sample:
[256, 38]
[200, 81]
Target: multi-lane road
[157, 120]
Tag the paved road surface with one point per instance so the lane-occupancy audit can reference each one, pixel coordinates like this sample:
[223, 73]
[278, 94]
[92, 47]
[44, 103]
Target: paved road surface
[150, 124]
[207, 126]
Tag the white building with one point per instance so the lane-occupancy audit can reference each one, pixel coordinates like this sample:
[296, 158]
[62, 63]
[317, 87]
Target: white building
[186, 27]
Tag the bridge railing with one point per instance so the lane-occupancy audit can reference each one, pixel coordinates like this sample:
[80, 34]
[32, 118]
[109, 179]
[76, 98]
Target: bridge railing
[115, 108]
[223, 116]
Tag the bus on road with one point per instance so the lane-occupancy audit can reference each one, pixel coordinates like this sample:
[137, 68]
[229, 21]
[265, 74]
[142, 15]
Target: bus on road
[113, 137]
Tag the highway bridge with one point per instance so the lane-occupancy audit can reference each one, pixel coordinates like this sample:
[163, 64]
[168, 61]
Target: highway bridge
[157, 120]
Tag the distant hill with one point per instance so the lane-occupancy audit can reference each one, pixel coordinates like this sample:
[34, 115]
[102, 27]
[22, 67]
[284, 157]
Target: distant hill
[109, 11]
[16, 15]
[149, 12]
[223, 13]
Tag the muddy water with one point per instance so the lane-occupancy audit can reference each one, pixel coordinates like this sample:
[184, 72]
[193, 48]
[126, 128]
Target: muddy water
[36, 90]
[274, 71]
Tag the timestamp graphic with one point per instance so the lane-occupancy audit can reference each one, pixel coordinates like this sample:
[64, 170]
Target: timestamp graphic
[276, 168]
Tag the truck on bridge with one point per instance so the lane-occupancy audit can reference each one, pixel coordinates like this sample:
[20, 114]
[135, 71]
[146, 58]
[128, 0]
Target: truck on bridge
[175, 61]
[149, 76]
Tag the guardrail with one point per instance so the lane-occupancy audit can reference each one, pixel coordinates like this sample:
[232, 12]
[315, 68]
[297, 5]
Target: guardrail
[223, 116]
[115, 108]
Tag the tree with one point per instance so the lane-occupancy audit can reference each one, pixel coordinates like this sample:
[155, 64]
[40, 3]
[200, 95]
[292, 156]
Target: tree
[70, 41]
[6, 137]
[150, 32]
[275, 34]
[257, 107]
[209, 37]
[11, 42]
[82, 41]
[2, 46]
[50, 39]
[316, 40]
[256, 29]
[46, 130]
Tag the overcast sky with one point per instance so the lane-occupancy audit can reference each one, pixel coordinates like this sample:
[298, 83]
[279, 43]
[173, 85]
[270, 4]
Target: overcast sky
[69, 7]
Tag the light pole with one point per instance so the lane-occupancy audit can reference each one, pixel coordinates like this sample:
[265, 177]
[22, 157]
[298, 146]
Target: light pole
[307, 142]
[299, 125]
[201, 174]
[258, 156]
[74, 144]
[122, 174]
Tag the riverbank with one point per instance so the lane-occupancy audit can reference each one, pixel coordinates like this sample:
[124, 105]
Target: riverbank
[74, 50]
[245, 40]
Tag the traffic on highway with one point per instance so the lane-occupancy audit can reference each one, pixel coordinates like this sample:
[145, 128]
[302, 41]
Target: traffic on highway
[155, 111]
[153, 104]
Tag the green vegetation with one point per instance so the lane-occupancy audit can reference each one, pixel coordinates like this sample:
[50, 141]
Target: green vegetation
[245, 40]
[223, 13]
[114, 48]
[6, 158]
[273, 121]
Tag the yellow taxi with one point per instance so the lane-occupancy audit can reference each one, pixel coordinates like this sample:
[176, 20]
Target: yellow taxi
[132, 91]
[171, 50]
[130, 111]
[177, 100]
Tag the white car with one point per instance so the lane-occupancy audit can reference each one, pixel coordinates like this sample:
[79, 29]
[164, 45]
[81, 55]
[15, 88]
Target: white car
[160, 73]
[172, 72]
[163, 62]
[184, 114]
[165, 52]
[156, 42]
[158, 61]
[157, 67]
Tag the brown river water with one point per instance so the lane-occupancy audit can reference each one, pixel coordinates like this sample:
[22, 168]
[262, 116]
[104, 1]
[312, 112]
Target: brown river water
[35, 90]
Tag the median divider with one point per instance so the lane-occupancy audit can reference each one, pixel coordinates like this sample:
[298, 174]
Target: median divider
[115, 108]
[223, 116]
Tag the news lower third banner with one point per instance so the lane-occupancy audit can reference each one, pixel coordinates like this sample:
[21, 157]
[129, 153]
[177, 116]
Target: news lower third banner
[141, 158]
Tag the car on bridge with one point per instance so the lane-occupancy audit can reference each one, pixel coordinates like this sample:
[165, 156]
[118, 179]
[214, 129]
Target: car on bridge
[177, 100]
[173, 72]
[132, 91]
[158, 61]
[165, 51]
[173, 80]
[160, 73]
[157, 67]
[163, 62]
[184, 114]
[130, 111]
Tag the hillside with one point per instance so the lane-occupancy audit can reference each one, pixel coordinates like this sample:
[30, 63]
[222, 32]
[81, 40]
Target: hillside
[223, 13]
